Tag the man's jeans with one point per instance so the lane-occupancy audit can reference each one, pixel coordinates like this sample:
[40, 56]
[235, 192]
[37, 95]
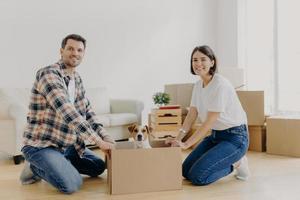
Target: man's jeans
[213, 158]
[63, 169]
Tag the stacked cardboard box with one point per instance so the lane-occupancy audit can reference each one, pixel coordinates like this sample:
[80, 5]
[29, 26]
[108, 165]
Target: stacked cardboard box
[283, 135]
[144, 170]
[180, 94]
[257, 138]
[253, 104]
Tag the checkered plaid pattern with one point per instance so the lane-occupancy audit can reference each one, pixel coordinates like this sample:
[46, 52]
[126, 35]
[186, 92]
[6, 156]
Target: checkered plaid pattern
[53, 120]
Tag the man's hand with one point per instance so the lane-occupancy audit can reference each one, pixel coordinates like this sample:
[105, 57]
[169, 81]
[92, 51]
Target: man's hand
[108, 138]
[104, 146]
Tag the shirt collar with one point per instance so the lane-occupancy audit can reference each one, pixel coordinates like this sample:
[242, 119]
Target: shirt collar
[63, 68]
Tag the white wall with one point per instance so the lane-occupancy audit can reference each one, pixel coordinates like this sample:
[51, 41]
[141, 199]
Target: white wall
[229, 51]
[134, 47]
[227, 33]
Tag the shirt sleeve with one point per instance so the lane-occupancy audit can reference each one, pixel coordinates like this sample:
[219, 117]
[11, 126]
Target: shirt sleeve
[51, 86]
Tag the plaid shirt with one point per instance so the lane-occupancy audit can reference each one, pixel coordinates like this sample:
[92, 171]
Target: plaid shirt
[53, 120]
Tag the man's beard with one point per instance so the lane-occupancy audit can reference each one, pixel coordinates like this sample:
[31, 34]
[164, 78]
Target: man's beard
[73, 64]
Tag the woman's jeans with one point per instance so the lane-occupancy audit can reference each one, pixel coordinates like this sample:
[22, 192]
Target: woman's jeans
[213, 158]
[63, 169]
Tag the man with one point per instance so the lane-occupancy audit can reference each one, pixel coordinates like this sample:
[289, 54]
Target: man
[60, 119]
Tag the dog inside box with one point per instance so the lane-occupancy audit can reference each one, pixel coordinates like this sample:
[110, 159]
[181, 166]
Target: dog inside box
[132, 170]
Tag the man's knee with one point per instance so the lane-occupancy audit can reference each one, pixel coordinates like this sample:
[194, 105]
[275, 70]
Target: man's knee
[98, 169]
[70, 186]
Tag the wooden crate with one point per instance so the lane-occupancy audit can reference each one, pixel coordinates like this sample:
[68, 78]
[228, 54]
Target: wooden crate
[162, 135]
[165, 119]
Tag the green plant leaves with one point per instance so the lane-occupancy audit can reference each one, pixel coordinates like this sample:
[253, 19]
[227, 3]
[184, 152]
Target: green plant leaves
[161, 98]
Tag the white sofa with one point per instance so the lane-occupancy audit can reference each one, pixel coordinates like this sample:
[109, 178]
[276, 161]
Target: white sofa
[115, 115]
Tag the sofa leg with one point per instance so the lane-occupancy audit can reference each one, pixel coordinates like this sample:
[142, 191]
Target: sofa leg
[18, 159]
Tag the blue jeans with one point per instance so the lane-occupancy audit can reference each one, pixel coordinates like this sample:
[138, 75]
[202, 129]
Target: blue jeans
[63, 169]
[213, 158]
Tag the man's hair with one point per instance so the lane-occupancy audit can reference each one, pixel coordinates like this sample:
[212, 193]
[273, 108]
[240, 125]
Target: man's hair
[206, 50]
[73, 37]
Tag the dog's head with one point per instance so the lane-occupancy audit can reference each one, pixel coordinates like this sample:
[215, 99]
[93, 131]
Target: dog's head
[139, 133]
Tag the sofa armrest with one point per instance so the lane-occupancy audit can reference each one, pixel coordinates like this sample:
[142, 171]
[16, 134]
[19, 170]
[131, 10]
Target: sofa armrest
[18, 114]
[8, 138]
[127, 106]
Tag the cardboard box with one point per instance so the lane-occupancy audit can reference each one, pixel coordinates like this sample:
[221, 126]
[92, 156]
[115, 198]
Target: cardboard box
[257, 138]
[180, 94]
[144, 170]
[283, 135]
[253, 104]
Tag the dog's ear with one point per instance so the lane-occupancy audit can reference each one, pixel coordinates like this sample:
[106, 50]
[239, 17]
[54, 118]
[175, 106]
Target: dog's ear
[131, 128]
[149, 129]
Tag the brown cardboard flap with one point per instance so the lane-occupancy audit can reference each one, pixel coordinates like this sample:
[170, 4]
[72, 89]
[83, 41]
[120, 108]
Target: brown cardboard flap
[125, 145]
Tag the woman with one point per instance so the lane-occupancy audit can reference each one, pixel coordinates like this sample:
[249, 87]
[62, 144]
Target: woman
[215, 102]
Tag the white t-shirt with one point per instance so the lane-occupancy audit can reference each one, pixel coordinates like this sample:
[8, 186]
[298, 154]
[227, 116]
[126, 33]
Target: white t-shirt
[218, 96]
[71, 90]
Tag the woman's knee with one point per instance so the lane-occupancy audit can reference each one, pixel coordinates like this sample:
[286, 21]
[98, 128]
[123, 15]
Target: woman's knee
[198, 178]
[185, 170]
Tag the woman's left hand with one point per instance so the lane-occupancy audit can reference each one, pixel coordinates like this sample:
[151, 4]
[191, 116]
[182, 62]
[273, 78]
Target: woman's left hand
[177, 143]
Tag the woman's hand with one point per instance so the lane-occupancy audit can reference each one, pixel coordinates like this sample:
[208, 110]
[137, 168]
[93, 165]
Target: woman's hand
[176, 143]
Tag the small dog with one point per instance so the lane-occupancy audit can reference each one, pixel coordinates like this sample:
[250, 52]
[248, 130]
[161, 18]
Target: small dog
[140, 135]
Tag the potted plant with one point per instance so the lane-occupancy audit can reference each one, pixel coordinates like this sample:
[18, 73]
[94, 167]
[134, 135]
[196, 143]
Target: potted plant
[161, 99]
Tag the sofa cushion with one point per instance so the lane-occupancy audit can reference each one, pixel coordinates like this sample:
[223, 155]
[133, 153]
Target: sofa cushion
[99, 99]
[104, 120]
[119, 119]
